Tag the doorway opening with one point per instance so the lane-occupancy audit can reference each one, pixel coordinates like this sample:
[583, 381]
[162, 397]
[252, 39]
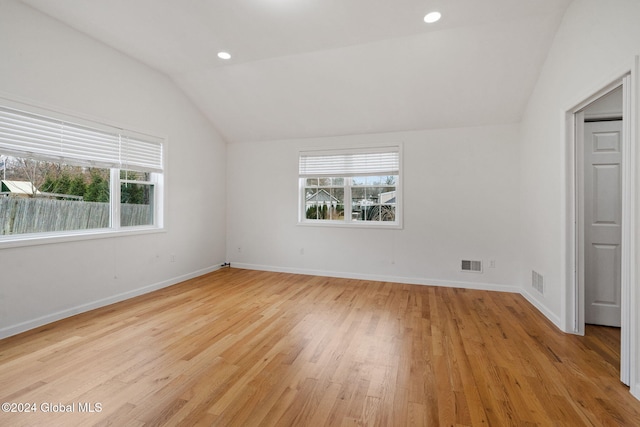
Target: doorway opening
[600, 151]
[599, 178]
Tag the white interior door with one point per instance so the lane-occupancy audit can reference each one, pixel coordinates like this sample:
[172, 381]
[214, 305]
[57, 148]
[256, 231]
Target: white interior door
[602, 221]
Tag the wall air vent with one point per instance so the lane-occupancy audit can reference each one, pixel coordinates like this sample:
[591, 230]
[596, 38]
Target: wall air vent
[537, 281]
[472, 266]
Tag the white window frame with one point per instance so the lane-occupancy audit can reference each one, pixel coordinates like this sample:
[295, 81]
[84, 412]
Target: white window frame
[135, 151]
[348, 170]
[156, 180]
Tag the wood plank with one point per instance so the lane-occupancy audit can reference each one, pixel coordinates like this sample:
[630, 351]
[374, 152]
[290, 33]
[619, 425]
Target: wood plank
[240, 347]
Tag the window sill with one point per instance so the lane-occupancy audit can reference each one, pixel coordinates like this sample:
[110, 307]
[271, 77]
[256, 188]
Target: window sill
[342, 224]
[36, 239]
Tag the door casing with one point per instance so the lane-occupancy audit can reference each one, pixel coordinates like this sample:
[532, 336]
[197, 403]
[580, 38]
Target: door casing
[574, 297]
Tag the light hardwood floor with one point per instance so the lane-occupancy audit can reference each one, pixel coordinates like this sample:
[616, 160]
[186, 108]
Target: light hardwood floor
[249, 348]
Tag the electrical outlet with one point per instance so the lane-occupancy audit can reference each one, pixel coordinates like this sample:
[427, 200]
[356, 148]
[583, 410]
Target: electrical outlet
[173, 258]
[301, 251]
[492, 263]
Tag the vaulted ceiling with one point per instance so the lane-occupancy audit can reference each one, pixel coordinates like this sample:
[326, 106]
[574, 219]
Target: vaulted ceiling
[310, 68]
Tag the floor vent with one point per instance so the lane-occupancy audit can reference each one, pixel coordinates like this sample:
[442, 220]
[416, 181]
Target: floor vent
[472, 266]
[537, 281]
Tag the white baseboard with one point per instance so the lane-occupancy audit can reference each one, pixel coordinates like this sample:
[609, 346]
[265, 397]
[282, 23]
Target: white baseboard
[382, 278]
[635, 391]
[53, 317]
[542, 309]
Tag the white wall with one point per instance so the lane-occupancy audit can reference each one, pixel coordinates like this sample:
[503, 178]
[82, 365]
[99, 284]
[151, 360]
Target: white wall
[460, 202]
[595, 44]
[49, 64]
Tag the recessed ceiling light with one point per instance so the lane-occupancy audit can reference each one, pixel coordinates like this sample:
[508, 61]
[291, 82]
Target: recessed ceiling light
[432, 17]
[224, 55]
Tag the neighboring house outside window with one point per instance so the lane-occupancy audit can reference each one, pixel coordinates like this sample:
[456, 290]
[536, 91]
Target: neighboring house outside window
[62, 176]
[358, 187]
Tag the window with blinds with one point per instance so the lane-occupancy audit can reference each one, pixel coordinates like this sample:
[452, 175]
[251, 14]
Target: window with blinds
[359, 187]
[60, 175]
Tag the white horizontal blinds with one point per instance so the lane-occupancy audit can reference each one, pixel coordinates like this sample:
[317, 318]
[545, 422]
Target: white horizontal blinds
[89, 147]
[45, 138]
[25, 133]
[378, 161]
[36, 136]
[141, 154]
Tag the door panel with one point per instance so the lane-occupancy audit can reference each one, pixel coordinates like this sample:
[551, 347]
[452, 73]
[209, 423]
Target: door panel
[606, 274]
[606, 203]
[602, 234]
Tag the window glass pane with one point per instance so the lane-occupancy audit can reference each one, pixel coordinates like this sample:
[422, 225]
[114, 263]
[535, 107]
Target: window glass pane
[373, 198]
[325, 204]
[381, 181]
[383, 213]
[358, 180]
[135, 175]
[362, 200]
[327, 181]
[136, 206]
[390, 180]
[371, 211]
[41, 196]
